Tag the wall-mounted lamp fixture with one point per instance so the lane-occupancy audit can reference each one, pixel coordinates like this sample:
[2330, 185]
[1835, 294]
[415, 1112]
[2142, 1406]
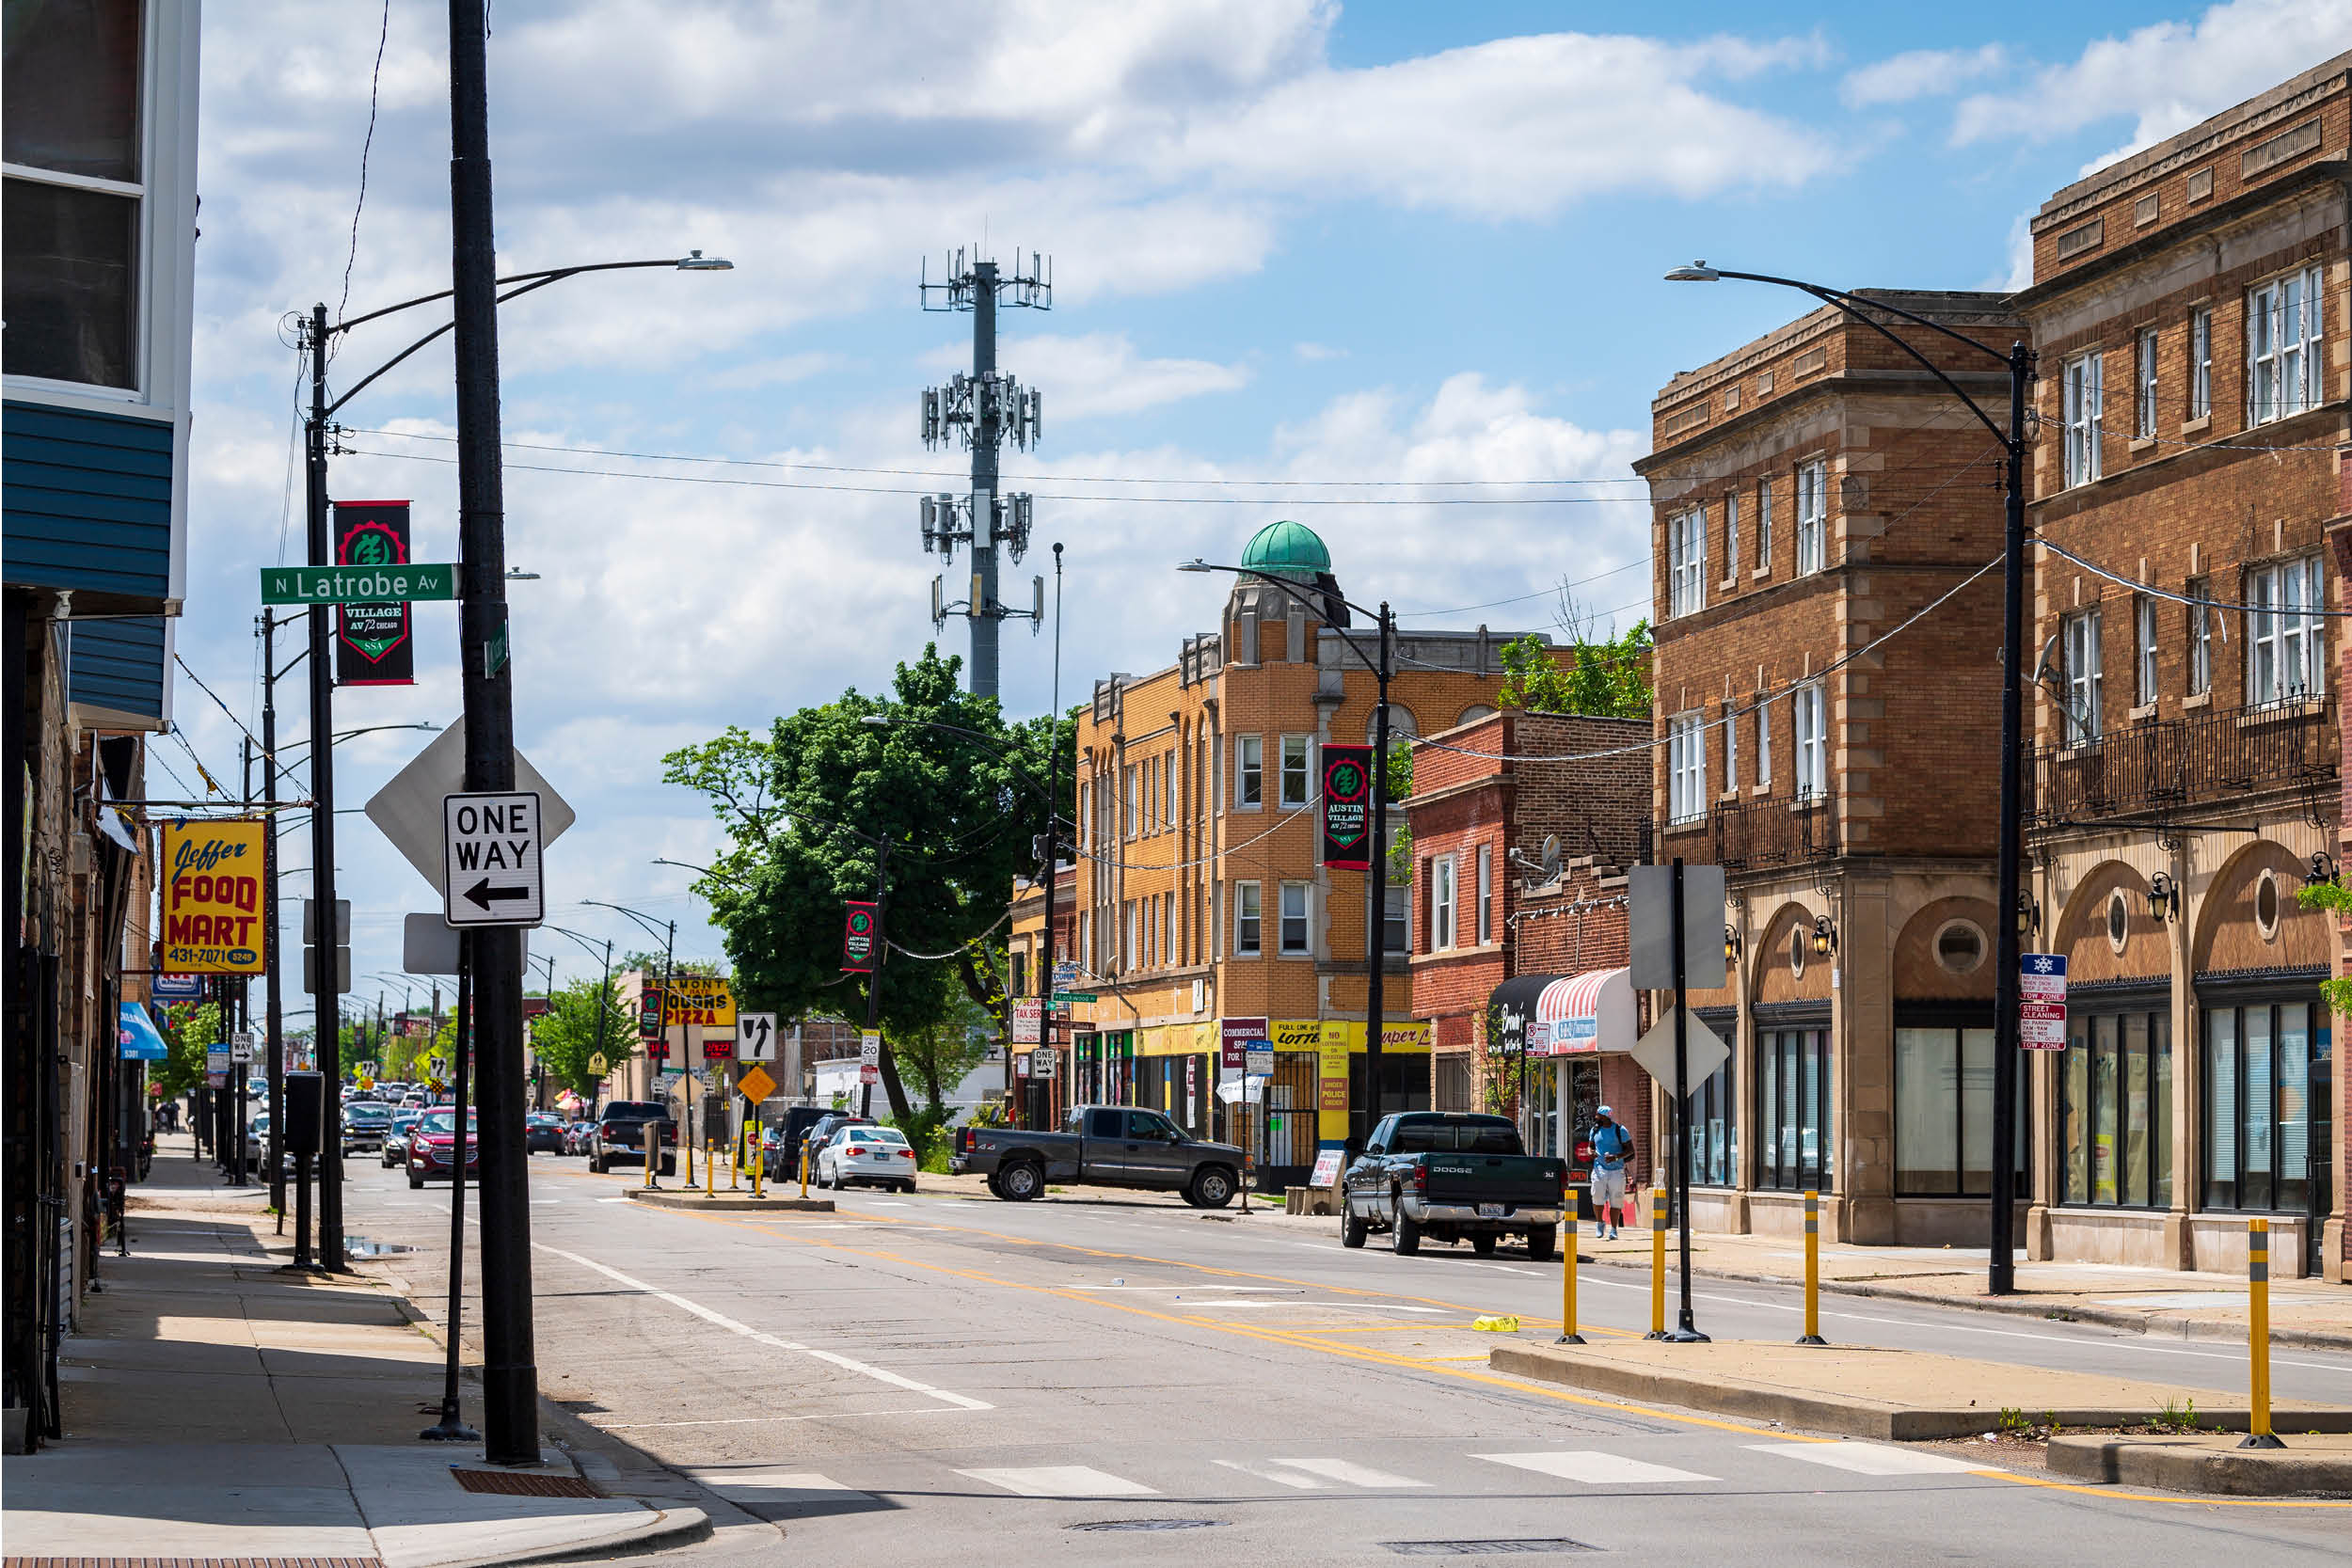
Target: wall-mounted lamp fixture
[2164, 898]
[1731, 944]
[2028, 913]
[1824, 936]
[2323, 867]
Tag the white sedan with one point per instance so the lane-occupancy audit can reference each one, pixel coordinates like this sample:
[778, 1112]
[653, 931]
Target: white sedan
[880, 1155]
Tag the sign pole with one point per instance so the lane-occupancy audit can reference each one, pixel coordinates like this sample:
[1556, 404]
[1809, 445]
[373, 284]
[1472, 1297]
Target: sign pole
[452, 1427]
[1686, 1331]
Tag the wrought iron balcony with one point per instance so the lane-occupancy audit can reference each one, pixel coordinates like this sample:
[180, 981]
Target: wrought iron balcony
[1753, 835]
[2155, 769]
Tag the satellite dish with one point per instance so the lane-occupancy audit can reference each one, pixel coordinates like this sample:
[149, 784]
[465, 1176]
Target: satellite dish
[2047, 674]
[1552, 857]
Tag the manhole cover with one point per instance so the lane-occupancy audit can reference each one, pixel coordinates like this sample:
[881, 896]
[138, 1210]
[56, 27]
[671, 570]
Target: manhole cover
[524, 1483]
[1148, 1524]
[1486, 1548]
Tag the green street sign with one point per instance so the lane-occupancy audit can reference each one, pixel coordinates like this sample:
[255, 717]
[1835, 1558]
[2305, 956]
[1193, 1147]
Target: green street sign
[1075, 996]
[309, 585]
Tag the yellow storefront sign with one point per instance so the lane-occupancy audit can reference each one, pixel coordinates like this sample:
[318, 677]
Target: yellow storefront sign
[701, 999]
[212, 911]
[1333, 1042]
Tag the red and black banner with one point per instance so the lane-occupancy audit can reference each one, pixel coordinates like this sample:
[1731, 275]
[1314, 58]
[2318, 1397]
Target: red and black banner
[1347, 807]
[373, 641]
[649, 1013]
[857, 939]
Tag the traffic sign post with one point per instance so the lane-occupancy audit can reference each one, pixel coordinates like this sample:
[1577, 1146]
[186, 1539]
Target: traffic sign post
[490, 860]
[2042, 1001]
[755, 1036]
[870, 1058]
[1674, 915]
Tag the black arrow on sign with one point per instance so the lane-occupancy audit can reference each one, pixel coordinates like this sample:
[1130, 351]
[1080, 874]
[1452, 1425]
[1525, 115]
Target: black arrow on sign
[482, 894]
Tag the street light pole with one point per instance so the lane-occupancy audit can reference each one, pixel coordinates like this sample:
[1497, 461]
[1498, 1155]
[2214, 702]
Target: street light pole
[327, 977]
[1052, 847]
[2001, 1268]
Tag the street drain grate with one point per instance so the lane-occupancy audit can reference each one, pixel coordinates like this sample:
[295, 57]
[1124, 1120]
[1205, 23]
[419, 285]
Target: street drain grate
[521, 1483]
[1148, 1524]
[191, 1562]
[1557, 1543]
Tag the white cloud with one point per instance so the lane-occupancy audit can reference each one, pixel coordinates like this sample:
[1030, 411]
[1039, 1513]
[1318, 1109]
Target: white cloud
[1313, 353]
[1920, 74]
[2164, 77]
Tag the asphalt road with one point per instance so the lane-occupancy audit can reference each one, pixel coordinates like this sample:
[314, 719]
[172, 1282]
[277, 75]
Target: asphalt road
[943, 1380]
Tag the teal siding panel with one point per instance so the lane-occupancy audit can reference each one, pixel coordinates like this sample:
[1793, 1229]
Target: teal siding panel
[117, 664]
[86, 500]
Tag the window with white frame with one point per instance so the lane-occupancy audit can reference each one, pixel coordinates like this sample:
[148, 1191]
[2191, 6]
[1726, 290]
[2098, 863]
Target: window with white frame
[1731, 537]
[1731, 751]
[1128, 917]
[1485, 893]
[1127, 801]
[1295, 940]
[1249, 772]
[1442, 913]
[1763, 743]
[1685, 562]
[1808, 707]
[2082, 407]
[2284, 648]
[1686, 768]
[1297, 769]
[1812, 516]
[2199, 637]
[2079, 641]
[2143, 651]
[1248, 920]
[1764, 525]
[2200, 362]
[2285, 373]
[1396, 918]
[2144, 385]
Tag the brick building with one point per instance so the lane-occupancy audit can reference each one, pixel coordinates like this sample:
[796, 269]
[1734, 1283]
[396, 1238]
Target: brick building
[1038, 1098]
[1814, 490]
[1200, 904]
[2185, 749]
[1519, 887]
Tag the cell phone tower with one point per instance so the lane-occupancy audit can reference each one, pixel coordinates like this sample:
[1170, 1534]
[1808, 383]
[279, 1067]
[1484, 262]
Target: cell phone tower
[983, 410]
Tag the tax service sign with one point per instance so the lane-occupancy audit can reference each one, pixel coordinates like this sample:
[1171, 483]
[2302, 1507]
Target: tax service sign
[212, 911]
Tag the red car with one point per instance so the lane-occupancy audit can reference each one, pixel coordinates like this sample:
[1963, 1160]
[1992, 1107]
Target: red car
[432, 1147]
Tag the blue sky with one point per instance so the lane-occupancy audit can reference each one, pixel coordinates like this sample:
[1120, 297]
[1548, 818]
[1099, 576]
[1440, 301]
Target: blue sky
[1373, 243]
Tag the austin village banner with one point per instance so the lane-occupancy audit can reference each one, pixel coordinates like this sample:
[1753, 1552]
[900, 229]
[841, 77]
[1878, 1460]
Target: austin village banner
[373, 643]
[857, 939]
[1347, 807]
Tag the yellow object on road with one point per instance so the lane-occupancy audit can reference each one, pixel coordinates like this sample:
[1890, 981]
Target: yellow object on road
[1496, 1325]
[1657, 1263]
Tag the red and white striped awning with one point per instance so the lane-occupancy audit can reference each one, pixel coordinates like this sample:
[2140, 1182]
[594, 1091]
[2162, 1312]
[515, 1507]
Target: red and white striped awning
[1583, 1014]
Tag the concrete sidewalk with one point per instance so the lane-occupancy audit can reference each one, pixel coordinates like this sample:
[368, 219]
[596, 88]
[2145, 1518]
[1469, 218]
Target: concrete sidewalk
[219, 1406]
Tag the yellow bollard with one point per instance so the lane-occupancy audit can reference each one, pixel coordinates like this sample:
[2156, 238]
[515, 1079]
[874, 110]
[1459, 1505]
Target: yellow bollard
[2258, 1433]
[1657, 1264]
[735, 1166]
[1812, 1271]
[709, 1174]
[804, 1168]
[759, 1169]
[1569, 1227]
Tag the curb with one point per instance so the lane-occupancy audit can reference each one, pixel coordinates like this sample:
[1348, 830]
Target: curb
[665, 1198]
[662, 1528]
[2190, 1466]
[2047, 1308]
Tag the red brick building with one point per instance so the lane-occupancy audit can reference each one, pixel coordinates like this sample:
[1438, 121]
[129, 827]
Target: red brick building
[1520, 876]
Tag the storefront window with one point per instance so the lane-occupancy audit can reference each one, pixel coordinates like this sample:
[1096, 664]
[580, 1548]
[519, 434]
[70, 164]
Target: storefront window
[1792, 1102]
[2266, 1111]
[1944, 1113]
[2114, 1108]
[1715, 1129]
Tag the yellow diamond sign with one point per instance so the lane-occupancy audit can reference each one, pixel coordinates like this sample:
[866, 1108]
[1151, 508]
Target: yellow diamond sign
[755, 1085]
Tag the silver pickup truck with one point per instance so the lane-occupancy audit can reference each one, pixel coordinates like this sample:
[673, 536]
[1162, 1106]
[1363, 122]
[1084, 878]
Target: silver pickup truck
[1102, 1145]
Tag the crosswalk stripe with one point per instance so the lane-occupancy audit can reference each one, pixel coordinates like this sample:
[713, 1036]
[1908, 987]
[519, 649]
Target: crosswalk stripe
[1593, 1467]
[1352, 1475]
[1267, 1472]
[777, 1485]
[1870, 1458]
[1061, 1481]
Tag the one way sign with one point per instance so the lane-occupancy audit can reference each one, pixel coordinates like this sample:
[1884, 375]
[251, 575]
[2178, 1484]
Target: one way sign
[490, 860]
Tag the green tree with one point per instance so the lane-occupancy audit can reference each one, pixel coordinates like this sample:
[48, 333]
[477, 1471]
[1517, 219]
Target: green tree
[936, 1059]
[189, 1028]
[810, 811]
[583, 1020]
[1594, 674]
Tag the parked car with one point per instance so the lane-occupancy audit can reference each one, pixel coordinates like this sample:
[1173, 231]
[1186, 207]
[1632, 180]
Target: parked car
[576, 1136]
[819, 1132]
[365, 1122]
[877, 1156]
[432, 1147]
[620, 1135]
[1451, 1175]
[396, 1133]
[783, 1155]
[1107, 1145]
[542, 1131]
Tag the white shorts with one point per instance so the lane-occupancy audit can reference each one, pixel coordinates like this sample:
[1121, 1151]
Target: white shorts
[1609, 1188]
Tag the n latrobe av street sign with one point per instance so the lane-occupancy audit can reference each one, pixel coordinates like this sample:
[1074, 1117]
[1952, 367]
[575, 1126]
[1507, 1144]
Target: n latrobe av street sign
[356, 584]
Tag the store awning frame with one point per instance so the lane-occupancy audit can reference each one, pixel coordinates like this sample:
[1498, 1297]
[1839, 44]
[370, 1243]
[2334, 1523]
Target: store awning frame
[1565, 1015]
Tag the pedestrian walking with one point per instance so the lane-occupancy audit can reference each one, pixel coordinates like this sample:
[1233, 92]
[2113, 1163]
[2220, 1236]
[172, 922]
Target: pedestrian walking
[1613, 1154]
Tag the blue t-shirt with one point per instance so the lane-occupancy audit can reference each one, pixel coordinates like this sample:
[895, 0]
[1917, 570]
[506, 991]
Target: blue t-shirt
[1612, 1146]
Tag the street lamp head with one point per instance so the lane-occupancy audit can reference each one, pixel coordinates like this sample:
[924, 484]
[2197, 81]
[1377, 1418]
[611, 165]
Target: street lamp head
[519, 575]
[877, 719]
[1195, 564]
[1697, 272]
[697, 261]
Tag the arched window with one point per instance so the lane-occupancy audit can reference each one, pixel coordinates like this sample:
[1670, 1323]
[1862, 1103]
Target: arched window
[1473, 713]
[1401, 724]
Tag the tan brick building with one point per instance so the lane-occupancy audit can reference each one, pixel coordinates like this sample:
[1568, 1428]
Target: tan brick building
[1813, 491]
[2186, 761]
[1200, 902]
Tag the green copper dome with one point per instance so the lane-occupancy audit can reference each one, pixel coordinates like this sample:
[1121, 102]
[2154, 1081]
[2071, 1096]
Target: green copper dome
[1287, 548]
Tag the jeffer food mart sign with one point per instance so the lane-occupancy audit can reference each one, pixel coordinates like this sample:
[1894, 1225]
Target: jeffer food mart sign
[212, 910]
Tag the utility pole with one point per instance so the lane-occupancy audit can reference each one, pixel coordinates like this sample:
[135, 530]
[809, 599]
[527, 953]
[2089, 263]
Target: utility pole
[327, 978]
[271, 958]
[873, 975]
[510, 1376]
[1053, 837]
[983, 410]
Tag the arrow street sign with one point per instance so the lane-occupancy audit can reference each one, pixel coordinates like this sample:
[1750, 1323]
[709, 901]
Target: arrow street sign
[356, 584]
[490, 860]
[408, 809]
[756, 1038]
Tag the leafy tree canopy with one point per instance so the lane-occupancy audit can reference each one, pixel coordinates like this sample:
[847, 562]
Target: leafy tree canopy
[584, 1019]
[1595, 673]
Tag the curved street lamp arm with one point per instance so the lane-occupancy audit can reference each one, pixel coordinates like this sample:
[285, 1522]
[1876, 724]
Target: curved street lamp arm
[446, 327]
[644, 922]
[1299, 595]
[545, 274]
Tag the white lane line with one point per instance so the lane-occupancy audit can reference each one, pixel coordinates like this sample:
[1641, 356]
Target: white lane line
[1352, 1305]
[863, 1368]
[1533, 1274]
[767, 1480]
[1061, 1481]
[615, 1200]
[768, 1420]
[1869, 1459]
[1248, 1289]
[1348, 1474]
[1267, 1472]
[1593, 1467]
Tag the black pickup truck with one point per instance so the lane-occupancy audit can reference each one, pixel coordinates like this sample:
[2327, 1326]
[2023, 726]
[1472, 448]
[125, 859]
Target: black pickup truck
[1104, 1145]
[1452, 1177]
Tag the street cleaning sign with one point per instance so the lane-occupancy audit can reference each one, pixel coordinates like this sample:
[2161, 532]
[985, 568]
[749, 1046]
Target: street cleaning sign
[393, 584]
[212, 916]
[2042, 1001]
